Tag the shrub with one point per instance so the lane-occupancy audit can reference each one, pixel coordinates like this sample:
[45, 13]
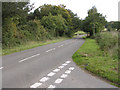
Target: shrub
[108, 41]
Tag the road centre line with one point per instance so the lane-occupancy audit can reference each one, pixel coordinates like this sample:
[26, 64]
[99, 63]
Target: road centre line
[29, 58]
[50, 49]
[61, 45]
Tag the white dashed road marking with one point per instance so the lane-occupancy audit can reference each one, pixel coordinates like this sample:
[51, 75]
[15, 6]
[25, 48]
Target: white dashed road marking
[56, 70]
[29, 58]
[67, 71]
[65, 64]
[63, 75]
[67, 61]
[51, 74]
[60, 67]
[59, 80]
[71, 68]
[61, 45]
[1, 68]
[53, 48]
[35, 85]
[44, 79]
[52, 86]
[50, 50]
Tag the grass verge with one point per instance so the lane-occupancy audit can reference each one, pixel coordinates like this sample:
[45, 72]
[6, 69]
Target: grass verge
[31, 44]
[90, 57]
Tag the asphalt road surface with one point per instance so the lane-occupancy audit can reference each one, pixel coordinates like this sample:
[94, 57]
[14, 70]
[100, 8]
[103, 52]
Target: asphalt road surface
[48, 66]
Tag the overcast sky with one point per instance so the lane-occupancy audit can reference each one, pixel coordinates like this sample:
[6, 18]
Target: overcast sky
[81, 7]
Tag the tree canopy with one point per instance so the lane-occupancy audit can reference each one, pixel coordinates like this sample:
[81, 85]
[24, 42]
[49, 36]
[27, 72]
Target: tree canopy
[94, 22]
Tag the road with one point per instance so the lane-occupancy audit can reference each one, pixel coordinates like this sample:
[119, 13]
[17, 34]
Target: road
[48, 66]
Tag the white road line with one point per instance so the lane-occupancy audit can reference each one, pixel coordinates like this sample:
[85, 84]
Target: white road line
[51, 74]
[60, 67]
[52, 86]
[65, 64]
[50, 49]
[58, 80]
[63, 75]
[53, 48]
[67, 61]
[56, 70]
[1, 68]
[44, 79]
[71, 68]
[67, 71]
[35, 85]
[61, 45]
[29, 58]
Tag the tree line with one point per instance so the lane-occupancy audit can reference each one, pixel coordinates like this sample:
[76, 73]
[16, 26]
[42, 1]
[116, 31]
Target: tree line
[19, 25]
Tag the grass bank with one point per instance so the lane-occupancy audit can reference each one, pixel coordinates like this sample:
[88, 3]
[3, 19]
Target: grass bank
[90, 57]
[31, 44]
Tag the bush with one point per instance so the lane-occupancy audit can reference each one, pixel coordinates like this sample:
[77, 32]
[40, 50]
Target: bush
[108, 41]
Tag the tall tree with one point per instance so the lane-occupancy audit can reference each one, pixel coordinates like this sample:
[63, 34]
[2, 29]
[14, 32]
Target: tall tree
[94, 22]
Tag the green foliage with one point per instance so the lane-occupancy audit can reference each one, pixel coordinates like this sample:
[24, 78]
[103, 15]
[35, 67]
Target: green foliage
[31, 44]
[94, 22]
[90, 57]
[80, 32]
[108, 41]
[46, 22]
[113, 26]
[55, 24]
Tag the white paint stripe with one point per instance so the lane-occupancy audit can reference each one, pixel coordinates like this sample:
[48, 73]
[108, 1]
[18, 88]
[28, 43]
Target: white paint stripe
[64, 75]
[56, 70]
[58, 80]
[52, 86]
[61, 45]
[50, 49]
[1, 68]
[67, 61]
[67, 71]
[60, 67]
[44, 79]
[71, 68]
[51, 74]
[65, 64]
[35, 85]
[53, 48]
[29, 58]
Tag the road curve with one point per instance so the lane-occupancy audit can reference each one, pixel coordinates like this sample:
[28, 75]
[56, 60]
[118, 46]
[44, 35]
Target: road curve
[48, 66]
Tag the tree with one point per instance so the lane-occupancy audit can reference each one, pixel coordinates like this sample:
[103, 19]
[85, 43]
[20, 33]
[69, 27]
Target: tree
[94, 22]
[55, 24]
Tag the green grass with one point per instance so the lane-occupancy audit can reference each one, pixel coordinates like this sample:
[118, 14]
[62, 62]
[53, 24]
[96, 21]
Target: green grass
[90, 57]
[31, 44]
